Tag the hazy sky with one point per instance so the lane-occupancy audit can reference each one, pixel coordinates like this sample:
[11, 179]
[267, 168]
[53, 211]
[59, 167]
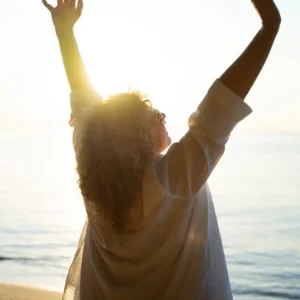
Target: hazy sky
[172, 50]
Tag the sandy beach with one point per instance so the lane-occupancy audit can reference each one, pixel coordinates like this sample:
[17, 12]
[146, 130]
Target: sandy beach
[16, 292]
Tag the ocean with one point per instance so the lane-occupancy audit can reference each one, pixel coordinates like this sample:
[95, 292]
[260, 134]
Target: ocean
[255, 189]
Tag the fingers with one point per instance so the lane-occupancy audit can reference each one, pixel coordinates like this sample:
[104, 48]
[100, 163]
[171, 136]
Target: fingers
[47, 5]
[79, 6]
[59, 2]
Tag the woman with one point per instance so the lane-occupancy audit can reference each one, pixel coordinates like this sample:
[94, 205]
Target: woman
[152, 232]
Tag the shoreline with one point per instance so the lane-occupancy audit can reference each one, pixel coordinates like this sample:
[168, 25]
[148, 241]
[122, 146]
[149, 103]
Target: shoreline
[22, 292]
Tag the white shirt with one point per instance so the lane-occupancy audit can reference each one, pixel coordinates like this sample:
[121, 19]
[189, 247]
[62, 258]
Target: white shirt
[176, 252]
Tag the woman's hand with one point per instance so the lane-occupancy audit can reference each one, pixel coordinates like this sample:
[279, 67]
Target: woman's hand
[242, 74]
[268, 13]
[65, 14]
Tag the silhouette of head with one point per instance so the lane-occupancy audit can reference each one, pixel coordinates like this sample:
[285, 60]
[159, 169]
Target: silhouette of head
[119, 139]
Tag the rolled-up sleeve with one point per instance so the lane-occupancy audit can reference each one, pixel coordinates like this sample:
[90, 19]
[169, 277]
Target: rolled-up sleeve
[219, 112]
[187, 165]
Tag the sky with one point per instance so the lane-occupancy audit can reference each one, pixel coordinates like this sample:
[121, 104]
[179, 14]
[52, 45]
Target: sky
[171, 50]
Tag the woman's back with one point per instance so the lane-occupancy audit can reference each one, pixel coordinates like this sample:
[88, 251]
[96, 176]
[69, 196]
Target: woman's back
[164, 258]
[167, 255]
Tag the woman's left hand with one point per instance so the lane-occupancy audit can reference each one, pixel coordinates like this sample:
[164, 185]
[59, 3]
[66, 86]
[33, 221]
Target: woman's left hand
[65, 14]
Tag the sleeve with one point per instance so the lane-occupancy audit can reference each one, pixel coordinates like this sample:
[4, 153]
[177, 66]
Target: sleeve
[81, 102]
[184, 169]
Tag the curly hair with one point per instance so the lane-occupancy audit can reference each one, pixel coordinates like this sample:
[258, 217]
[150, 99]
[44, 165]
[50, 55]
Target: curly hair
[117, 144]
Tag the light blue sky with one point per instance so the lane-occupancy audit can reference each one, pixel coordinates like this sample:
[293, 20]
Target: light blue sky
[172, 50]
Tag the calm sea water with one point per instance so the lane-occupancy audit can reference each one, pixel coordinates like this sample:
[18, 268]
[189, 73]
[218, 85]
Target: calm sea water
[256, 192]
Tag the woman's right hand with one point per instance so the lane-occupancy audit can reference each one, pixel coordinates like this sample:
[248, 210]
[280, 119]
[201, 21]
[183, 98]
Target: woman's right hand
[65, 14]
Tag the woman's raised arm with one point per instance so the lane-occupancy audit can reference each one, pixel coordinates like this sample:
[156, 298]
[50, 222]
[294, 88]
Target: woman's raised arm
[184, 169]
[64, 17]
[241, 75]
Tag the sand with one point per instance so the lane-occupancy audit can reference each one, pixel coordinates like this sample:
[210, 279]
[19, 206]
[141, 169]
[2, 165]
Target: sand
[16, 292]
